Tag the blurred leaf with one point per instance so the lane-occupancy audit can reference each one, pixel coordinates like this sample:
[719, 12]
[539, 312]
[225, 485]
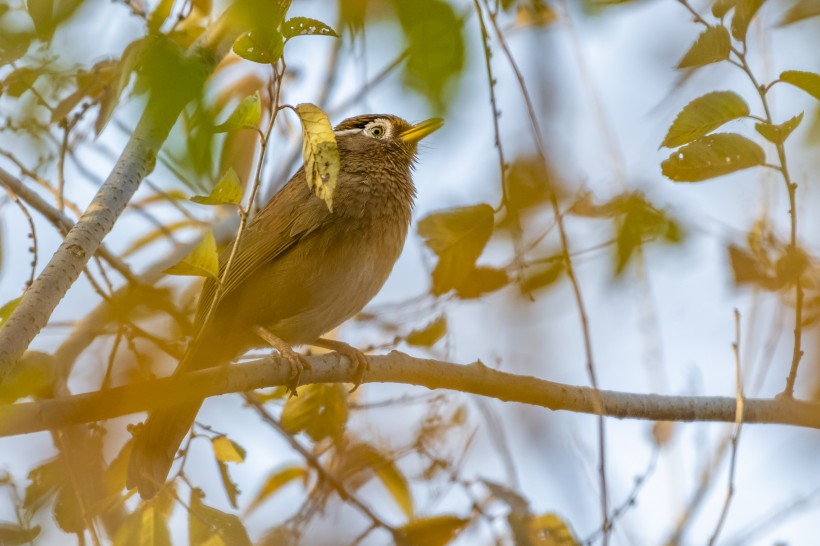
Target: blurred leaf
[320, 152]
[19, 81]
[388, 473]
[551, 530]
[745, 11]
[203, 260]
[32, 376]
[156, 234]
[48, 14]
[228, 191]
[712, 46]
[146, 526]
[807, 81]
[480, 281]
[13, 46]
[14, 535]
[800, 10]
[211, 527]
[639, 222]
[458, 237]
[529, 184]
[8, 308]
[535, 13]
[162, 60]
[747, 268]
[91, 84]
[45, 479]
[117, 471]
[67, 510]
[542, 277]
[303, 26]
[662, 432]
[320, 410]
[778, 134]
[231, 489]
[722, 7]
[711, 156]
[436, 54]
[260, 47]
[434, 530]
[228, 451]
[427, 336]
[790, 266]
[247, 115]
[275, 482]
[703, 115]
[159, 15]
[352, 13]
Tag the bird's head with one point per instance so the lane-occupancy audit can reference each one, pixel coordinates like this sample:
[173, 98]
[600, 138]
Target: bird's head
[382, 136]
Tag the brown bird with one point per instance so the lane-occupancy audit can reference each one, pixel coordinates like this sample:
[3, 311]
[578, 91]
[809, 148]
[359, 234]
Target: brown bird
[299, 272]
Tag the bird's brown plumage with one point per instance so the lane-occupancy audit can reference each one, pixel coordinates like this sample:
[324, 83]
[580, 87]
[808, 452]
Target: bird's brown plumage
[300, 271]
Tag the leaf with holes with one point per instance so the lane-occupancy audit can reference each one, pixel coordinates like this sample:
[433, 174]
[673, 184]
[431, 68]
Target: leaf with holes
[319, 151]
[260, 47]
[247, 115]
[807, 81]
[433, 530]
[275, 482]
[711, 156]
[304, 26]
[203, 260]
[712, 46]
[458, 237]
[703, 115]
[228, 191]
[778, 134]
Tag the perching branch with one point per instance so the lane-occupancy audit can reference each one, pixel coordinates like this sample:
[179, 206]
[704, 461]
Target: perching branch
[133, 165]
[398, 367]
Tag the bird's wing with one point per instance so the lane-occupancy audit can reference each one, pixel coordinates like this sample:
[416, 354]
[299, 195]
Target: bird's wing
[293, 213]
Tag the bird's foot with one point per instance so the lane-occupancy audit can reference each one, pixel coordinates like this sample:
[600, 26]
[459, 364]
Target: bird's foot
[356, 357]
[297, 362]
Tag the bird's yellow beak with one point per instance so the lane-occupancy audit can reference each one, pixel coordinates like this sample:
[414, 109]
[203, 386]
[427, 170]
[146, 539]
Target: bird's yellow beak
[421, 130]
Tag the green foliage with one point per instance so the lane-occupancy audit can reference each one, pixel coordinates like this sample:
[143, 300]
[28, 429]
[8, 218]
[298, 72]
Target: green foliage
[47, 15]
[203, 260]
[304, 26]
[246, 115]
[703, 115]
[228, 191]
[712, 46]
[319, 151]
[436, 42]
[712, 156]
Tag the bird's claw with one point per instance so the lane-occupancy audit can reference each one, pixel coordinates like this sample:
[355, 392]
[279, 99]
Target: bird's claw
[298, 364]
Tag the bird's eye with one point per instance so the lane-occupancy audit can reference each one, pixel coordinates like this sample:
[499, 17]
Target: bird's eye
[377, 131]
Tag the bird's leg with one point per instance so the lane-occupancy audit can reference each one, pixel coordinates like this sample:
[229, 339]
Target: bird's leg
[297, 362]
[356, 357]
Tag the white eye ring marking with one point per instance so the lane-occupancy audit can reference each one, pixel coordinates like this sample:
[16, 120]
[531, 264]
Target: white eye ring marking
[379, 128]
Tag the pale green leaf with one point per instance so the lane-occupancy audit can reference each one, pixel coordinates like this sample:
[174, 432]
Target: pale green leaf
[275, 482]
[712, 46]
[228, 451]
[458, 237]
[303, 26]
[779, 133]
[703, 115]
[203, 260]
[434, 530]
[319, 151]
[807, 81]
[228, 191]
[247, 115]
[712, 156]
[259, 47]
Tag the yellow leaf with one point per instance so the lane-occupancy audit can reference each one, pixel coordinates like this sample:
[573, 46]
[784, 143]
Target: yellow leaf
[228, 191]
[320, 152]
[201, 262]
[320, 410]
[228, 451]
[551, 530]
[433, 531]
[247, 115]
[275, 482]
[428, 335]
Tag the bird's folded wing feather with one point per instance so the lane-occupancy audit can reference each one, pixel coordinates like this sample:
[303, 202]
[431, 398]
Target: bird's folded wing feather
[292, 214]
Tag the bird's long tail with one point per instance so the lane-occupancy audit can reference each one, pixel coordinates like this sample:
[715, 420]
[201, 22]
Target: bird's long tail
[156, 444]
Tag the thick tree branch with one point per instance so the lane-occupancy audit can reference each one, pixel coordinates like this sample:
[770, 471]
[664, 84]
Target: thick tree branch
[135, 162]
[397, 368]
